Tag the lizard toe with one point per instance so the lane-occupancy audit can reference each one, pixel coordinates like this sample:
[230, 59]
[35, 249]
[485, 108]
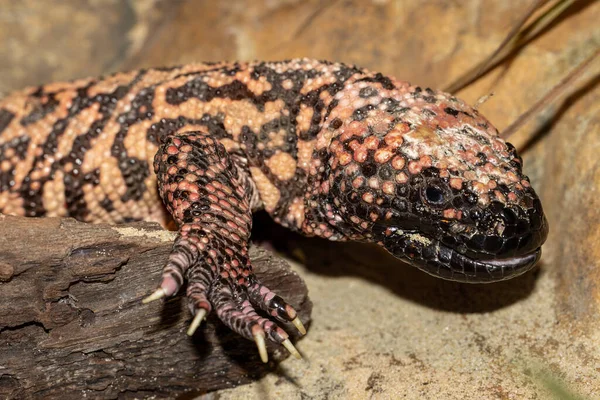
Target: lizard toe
[234, 308]
[268, 301]
[182, 257]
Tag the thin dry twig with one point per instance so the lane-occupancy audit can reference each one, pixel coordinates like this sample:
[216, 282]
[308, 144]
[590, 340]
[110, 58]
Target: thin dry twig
[480, 69]
[309, 20]
[552, 95]
[516, 42]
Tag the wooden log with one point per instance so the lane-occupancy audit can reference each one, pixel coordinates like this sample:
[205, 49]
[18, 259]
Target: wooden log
[72, 324]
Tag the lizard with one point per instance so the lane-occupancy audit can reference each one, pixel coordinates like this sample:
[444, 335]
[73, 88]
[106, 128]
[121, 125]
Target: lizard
[327, 149]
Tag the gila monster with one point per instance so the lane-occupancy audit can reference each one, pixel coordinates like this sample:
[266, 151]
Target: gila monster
[327, 149]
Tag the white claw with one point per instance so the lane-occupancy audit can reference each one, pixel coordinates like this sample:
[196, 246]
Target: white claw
[290, 347]
[259, 338]
[158, 294]
[298, 324]
[200, 314]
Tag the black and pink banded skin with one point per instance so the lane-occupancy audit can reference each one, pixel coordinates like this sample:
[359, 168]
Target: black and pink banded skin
[327, 149]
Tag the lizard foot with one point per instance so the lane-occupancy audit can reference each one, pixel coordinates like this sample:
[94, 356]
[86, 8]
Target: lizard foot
[232, 292]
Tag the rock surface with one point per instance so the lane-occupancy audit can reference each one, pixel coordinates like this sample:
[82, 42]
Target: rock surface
[382, 329]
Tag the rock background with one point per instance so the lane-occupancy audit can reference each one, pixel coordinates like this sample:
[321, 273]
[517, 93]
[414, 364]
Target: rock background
[382, 329]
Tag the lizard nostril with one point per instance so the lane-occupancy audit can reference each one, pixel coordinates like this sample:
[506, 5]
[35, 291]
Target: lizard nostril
[509, 216]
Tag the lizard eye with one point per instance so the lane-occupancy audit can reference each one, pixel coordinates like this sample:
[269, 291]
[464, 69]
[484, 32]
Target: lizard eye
[434, 195]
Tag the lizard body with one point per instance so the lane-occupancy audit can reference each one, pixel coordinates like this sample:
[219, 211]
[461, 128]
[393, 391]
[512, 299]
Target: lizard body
[326, 149]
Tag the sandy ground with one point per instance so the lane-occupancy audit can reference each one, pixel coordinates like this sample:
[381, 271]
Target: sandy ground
[392, 332]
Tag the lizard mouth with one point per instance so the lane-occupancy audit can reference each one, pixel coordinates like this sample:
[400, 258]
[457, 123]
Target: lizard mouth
[464, 269]
[437, 259]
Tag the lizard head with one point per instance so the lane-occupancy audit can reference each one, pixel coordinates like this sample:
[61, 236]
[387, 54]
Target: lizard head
[427, 177]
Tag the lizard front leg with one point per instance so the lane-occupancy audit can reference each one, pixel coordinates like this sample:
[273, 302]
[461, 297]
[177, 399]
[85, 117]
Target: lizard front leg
[208, 196]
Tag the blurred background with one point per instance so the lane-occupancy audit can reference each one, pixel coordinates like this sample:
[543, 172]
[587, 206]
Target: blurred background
[382, 329]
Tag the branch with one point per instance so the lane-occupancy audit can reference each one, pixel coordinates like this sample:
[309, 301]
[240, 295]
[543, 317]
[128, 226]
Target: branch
[72, 323]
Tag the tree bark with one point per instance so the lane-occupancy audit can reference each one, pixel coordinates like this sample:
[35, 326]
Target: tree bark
[72, 324]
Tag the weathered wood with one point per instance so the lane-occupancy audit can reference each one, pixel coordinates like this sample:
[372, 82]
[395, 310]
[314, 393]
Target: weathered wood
[72, 323]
